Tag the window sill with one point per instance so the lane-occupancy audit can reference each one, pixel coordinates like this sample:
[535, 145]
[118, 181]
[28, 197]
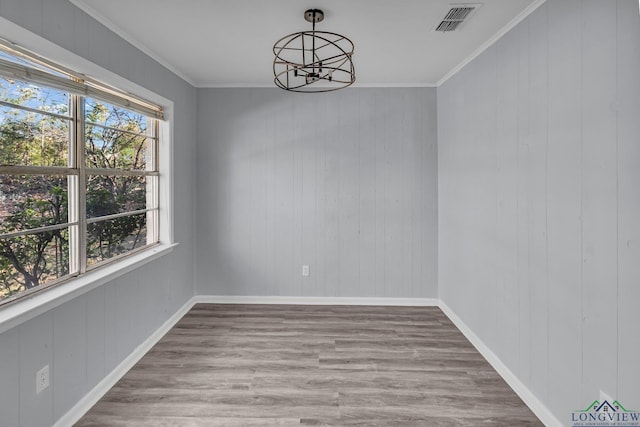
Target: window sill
[21, 311]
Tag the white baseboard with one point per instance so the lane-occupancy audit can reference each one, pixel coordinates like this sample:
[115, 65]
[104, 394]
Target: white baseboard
[93, 396]
[230, 299]
[536, 406]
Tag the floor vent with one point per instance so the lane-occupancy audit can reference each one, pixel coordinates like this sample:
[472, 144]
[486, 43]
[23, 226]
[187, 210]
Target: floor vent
[455, 16]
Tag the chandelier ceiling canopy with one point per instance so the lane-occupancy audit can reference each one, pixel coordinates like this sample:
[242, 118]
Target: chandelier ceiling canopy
[313, 61]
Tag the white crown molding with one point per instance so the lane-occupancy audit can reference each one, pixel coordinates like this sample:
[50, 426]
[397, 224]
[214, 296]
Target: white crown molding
[490, 42]
[271, 85]
[233, 85]
[486, 45]
[383, 85]
[80, 4]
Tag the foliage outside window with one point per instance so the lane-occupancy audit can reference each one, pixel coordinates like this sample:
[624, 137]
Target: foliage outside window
[78, 176]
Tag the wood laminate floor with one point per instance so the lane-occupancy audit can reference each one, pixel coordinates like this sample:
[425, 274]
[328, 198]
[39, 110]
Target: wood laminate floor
[286, 365]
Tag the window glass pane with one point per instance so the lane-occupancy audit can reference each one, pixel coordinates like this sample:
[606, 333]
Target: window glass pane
[32, 260]
[29, 63]
[110, 149]
[34, 96]
[116, 138]
[107, 195]
[109, 238]
[105, 114]
[31, 139]
[32, 201]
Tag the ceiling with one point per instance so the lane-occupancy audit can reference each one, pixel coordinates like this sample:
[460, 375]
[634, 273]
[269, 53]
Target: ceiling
[218, 43]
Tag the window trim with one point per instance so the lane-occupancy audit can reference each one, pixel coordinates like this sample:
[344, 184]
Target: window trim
[75, 83]
[22, 310]
[33, 305]
[78, 172]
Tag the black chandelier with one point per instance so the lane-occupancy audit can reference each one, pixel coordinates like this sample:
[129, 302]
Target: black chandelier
[313, 61]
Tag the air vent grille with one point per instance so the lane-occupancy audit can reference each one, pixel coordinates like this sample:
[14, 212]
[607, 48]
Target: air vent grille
[454, 17]
[448, 25]
[458, 13]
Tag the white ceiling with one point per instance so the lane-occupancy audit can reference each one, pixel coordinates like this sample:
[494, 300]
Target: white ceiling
[213, 43]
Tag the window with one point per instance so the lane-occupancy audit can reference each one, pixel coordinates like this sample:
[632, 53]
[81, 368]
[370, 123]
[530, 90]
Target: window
[79, 174]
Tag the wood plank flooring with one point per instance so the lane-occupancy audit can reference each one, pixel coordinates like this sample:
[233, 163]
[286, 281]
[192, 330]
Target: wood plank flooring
[286, 365]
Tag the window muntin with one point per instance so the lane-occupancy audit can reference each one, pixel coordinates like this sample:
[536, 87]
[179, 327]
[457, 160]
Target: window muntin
[33, 260]
[116, 138]
[32, 201]
[115, 194]
[78, 179]
[109, 238]
[22, 94]
[18, 131]
[35, 125]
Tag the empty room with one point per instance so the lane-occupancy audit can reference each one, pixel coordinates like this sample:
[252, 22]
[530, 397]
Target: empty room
[331, 213]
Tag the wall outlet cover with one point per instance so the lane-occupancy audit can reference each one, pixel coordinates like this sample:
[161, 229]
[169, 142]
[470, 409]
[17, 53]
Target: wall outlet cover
[42, 379]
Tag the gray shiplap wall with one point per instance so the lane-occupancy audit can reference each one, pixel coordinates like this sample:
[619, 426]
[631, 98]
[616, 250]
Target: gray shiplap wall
[539, 155]
[86, 338]
[344, 182]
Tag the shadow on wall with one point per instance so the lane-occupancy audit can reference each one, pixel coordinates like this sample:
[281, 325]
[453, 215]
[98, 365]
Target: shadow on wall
[337, 180]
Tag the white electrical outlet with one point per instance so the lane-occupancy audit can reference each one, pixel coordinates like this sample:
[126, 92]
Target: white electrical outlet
[305, 270]
[42, 379]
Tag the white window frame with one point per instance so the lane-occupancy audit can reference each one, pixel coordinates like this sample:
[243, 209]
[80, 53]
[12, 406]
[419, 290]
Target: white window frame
[30, 306]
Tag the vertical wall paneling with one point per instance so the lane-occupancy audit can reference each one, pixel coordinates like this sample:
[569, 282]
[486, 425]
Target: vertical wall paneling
[319, 226]
[425, 237]
[111, 355]
[367, 197]
[506, 219]
[10, 374]
[380, 170]
[262, 195]
[284, 200]
[348, 175]
[69, 355]
[348, 207]
[127, 324]
[54, 14]
[331, 218]
[599, 200]
[628, 126]
[297, 161]
[393, 195]
[95, 337]
[538, 201]
[36, 351]
[564, 209]
[522, 203]
[448, 103]
[535, 192]
[23, 13]
[406, 152]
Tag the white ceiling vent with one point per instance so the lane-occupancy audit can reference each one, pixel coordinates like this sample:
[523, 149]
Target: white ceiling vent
[457, 14]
